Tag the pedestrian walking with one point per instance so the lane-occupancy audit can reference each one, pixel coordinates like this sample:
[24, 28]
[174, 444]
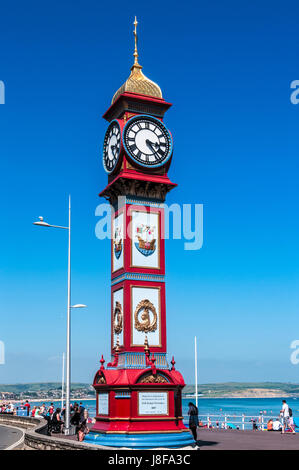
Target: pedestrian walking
[193, 419]
[286, 413]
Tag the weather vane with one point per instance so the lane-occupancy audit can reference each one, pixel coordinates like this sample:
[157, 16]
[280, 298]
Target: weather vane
[135, 34]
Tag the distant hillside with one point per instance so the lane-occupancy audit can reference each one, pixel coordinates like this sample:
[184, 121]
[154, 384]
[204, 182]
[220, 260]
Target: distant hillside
[213, 390]
[43, 391]
[39, 387]
[248, 389]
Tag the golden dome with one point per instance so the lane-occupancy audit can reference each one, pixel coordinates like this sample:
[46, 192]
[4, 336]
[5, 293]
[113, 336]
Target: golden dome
[137, 81]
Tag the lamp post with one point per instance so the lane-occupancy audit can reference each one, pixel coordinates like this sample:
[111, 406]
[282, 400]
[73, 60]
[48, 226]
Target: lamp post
[196, 378]
[62, 382]
[42, 223]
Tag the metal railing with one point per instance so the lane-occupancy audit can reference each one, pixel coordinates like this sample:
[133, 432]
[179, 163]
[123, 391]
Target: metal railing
[227, 421]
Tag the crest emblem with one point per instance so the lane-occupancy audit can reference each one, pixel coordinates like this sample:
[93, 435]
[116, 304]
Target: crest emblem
[118, 318]
[117, 242]
[145, 317]
[146, 244]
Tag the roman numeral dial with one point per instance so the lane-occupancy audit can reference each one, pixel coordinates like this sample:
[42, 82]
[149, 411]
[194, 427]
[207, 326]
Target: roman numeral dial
[112, 144]
[147, 141]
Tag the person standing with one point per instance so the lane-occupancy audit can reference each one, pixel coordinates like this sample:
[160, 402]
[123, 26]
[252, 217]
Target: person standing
[254, 425]
[50, 410]
[27, 406]
[193, 419]
[81, 412]
[75, 416]
[285, 413]
[56, 423]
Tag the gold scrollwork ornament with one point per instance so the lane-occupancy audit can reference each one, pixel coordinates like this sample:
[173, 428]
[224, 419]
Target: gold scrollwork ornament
[153, 379]
[118, 318]
[146, 325]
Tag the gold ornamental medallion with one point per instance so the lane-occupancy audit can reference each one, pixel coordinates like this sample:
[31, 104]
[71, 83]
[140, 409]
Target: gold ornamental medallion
[143, 310]
[118, 318]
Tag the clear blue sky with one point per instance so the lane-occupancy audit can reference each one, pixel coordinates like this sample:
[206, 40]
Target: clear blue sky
[227, 68]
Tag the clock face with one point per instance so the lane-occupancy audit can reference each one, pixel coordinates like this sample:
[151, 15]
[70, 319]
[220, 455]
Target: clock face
[147, 141]
[112, 143]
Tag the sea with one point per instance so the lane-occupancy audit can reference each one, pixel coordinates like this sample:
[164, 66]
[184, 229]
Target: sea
[221, 409]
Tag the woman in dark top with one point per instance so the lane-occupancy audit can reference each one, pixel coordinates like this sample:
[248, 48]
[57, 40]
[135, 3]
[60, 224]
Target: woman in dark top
[54, 422]
[193, 419]
[75, 418]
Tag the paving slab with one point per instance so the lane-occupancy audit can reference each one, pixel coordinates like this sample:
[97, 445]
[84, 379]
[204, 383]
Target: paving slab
[210, 439]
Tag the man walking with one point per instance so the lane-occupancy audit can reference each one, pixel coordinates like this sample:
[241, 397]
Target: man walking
[285, 413]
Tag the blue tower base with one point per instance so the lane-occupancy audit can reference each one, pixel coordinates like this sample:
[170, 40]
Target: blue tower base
[174, 440]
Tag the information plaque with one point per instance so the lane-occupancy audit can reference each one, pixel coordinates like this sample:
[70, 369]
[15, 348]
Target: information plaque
[103, 406]
[153, 403]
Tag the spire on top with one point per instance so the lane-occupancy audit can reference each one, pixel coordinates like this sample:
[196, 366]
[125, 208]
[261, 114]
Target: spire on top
[137, 82]
[136, 41]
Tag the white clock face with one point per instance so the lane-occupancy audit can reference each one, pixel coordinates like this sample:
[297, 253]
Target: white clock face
[147, 141]
[112, 142]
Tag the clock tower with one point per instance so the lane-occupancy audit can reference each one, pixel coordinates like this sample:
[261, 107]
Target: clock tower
[139, 392]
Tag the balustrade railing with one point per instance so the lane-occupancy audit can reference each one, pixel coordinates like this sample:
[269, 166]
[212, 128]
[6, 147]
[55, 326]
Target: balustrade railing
[233, 421]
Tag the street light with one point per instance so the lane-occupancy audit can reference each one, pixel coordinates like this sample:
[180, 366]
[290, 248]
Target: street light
[42, 223]
[63, 354]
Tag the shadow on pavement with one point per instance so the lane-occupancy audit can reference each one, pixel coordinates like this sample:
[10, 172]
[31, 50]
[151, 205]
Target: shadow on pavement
[206, 443]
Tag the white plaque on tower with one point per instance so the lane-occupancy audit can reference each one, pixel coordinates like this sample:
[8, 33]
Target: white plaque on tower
[153, 403]
[103, 404]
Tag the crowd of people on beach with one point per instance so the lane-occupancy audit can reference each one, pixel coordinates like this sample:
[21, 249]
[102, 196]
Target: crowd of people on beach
[7, 408]
[284, 423]
[13, 409]
[55, 417]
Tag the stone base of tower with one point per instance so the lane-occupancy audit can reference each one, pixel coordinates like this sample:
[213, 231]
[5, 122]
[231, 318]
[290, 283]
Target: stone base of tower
[142, 441]
[139, 409]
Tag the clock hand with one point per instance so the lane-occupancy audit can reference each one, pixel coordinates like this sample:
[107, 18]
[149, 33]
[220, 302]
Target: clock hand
[151, 145]
[113, 148]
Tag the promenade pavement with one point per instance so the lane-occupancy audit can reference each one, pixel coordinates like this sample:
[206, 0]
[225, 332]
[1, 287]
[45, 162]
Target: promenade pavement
[210, 439]
[238, 440]
[9, 436]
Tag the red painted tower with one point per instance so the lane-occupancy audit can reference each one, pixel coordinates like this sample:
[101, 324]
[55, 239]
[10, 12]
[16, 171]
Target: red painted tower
[138, 393]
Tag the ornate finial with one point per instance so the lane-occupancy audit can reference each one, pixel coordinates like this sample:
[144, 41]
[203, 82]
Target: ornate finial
[135, 35]
[172, 363]
[116, 354]
[102, 361]
[153, 360]
[146, 347]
